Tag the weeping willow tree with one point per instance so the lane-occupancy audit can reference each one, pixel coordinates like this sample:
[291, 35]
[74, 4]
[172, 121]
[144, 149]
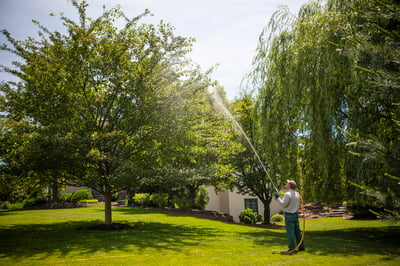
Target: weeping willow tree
[301, 78]
[328, 100]
[276, 120]
[323, 75]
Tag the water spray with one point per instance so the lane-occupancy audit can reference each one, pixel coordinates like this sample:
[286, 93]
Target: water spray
[218, 100]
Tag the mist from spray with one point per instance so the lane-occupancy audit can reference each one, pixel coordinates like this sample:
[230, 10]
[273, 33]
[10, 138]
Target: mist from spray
[217, 99]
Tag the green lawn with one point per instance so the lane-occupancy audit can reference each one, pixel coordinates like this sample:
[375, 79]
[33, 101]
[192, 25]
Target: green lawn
[61, 237]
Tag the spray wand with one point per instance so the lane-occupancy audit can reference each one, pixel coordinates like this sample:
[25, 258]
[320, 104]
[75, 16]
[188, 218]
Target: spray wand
[262, 165]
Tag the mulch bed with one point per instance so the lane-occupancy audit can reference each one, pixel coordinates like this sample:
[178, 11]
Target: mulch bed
[317, 211]
[312, 211]
[212, 215]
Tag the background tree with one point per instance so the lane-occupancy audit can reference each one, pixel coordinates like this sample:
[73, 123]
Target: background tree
[196, 146]
[374, 103]
[250, 175]
[17, 182]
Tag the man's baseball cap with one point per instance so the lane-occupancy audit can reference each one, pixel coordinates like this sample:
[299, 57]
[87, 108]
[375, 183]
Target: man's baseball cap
[292, 183]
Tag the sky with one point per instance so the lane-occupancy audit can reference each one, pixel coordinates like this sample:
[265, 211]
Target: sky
[226, 31]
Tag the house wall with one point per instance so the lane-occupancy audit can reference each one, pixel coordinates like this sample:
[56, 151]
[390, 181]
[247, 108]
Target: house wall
[218, 201]
[237, 204]
[232, 203]
[225, 203]
[214, 202]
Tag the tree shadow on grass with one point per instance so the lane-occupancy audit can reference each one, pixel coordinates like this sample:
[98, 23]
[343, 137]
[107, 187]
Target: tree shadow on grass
[138, 211]
[5, 212]
[153, 210]
[344, 242]
[355, 241]
[62, 239]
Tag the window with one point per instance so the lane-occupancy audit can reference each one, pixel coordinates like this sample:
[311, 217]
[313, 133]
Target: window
[251, 204]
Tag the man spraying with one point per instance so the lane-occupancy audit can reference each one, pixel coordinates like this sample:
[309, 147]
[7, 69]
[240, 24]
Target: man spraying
[290, 202]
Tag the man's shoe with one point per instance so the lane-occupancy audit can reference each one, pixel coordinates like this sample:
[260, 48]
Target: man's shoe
[289, 252]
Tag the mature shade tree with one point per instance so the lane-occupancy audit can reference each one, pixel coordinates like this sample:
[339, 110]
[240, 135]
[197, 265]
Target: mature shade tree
[96, 93]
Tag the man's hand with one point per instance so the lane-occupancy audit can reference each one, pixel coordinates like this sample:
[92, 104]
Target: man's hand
[276, 195]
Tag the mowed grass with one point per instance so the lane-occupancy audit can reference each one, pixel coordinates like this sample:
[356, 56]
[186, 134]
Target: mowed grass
[62, 237]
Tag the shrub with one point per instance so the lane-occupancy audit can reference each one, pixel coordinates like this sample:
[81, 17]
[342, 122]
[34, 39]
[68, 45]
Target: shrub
[142, 199]
[4, 205]
[65, 197]
[277, 218]
[159, 200]
[248, 216]
[183, 204]
[28, 202]
[201, 199]
[88, 201]
[81, 195]
[15, 206]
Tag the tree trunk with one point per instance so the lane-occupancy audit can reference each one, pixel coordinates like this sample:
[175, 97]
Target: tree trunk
[267, 212]
[54, 197]
[107, 208]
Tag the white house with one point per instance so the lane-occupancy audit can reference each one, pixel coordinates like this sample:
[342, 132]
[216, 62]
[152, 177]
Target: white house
[233, 203]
